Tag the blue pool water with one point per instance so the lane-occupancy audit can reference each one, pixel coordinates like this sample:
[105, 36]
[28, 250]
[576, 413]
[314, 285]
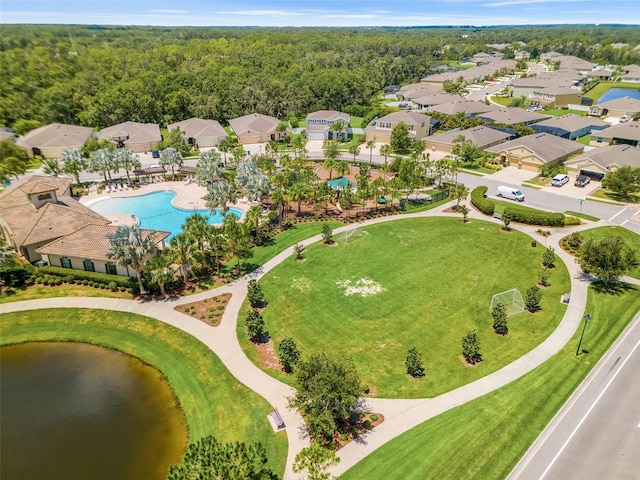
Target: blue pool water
[340, 182]
[619, 93]
[155, 211]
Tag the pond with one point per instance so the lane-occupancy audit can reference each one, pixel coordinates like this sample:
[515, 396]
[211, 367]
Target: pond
[78, 411]
[615, 93]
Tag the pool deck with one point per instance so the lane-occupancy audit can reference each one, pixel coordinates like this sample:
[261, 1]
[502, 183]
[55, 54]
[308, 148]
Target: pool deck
[188, 197]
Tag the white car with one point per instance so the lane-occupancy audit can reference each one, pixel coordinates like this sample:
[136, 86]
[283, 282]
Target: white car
[559, 180]
[625, 118]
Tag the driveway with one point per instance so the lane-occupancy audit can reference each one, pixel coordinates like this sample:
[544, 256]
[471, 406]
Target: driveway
[513, 176]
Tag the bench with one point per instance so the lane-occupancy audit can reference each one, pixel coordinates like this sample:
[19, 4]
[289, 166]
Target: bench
[498, 216]
[277, 419]
[566, 297]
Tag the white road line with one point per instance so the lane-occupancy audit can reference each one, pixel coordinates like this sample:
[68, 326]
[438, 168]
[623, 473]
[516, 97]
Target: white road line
[622, 224]
[638, 424]
[611, 219]
[584, 417]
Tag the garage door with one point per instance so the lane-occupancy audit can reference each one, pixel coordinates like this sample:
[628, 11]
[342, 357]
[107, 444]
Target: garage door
[597, 176]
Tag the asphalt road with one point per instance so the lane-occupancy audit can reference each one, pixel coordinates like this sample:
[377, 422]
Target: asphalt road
[596, 435]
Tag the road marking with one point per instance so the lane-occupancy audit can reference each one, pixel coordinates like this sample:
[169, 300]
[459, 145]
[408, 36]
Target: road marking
[622, 224]
[638, 424]
[584, 417]
[611, 219]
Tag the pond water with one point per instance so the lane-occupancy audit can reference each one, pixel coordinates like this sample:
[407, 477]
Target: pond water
[614, 93]
[76, 411]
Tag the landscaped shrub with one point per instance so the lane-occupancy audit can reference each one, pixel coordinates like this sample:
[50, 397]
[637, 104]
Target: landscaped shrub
[531, 216]
[91, 276]
[373, 417]
[113, 286]
[16, 275]
[569, 221]
[367, 424]
[69, 279]
[51, 282]
[479, 201]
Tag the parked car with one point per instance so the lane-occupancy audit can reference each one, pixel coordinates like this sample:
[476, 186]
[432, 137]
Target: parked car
[625, 118]
[510, 192]
[559, 180]
[155, 154]
[582, 181]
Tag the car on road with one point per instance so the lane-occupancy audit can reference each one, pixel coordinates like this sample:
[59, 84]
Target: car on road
[582, 181]
[510, 192]
[625, 118]
[559, 180]
[155, 154]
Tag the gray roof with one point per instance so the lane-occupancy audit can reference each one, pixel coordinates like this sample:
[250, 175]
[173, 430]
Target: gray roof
[479, 136]
[410, 118]
[56, 135]
[611, 156]
[511, 116]
[132, 132]
[329, 116]
[547, 147]
[571, 122]
[254, 123]
[626, 131]
[436, 99]
[627, 104]
[469, 107]
[6, 134]
[199, 128]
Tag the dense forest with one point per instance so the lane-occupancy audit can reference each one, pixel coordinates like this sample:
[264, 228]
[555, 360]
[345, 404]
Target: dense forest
[99, 76]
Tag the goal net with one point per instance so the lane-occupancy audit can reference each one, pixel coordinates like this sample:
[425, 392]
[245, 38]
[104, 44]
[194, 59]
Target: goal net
[512, 301]
[352, 234]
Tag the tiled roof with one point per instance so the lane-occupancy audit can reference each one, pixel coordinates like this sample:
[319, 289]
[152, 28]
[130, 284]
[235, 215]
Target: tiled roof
[329, 115]
[511, 116]
[613, 155]
[199, 128]
[255, 123]
[479, 136]
[627, 131]
[132, 132]
[56, 135]
[571, 123]
[547, 147]
[469, 107]
[627, 104]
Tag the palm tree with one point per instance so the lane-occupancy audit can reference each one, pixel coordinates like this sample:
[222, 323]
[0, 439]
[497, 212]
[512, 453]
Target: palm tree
[385, 150]
[219, 194]
[271, 149]
[252, 221]
[339, 127]
[171, 156]
[329, 164]
[102, 161]
[355, 151]
[7, 258]
[370, 145]
[342, 168]
[128, 161]
[129, 247]
[331, 150]
[161, 276]
[181, 250]
[52, 166]
[197, 227]
[207, 168]
[299, 191]
[250, 178]
[73, 162]
[458, 193]
[226, 145]
[298, 143]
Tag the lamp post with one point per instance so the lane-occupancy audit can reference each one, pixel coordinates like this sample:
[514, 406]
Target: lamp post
[587, 317]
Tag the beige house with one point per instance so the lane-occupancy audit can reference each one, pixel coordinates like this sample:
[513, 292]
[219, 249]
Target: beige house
[319, 125]
[468, 107]
[600, 161]
[631, 74]
[621, 134]
[49, 141]
[256, 128]
[533, 151]
[616, 108]
[427, 101]
[86, 249]
[380, 131]
[481, 137]
[138, 137]
[511, 116]
[200, 132]
[415, 90]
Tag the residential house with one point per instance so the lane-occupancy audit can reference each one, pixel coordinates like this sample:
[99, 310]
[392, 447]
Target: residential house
[569, 126]
[420, 126]
[598, 162]
[621, 134]
[256, 128]
[511, 116]
[602, 74]
[137, 137]
[533, 151]
[319, 125]
[470, 75]
[200, 132]
[482, 137]
[86, 249]
[631, 74]
[462, 105]
[616, 108]
[49, 141]
[428, 101]
[415, 90]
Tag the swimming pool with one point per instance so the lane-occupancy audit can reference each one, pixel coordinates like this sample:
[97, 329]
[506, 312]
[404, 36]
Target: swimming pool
[615, 93]
[340, 182]
[155, 211]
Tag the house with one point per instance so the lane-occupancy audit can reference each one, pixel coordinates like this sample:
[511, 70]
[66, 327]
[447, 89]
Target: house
[39, 210]
[482, 137]
[391, 89]
[533, 151]
[552, 92]
[49, 141]
[86, 249]
[569, 126]
[603, 74]
[319, 125]
[6, 134]
[631, 74]
[428, 101]
[420, 126]
[598, 162]
[616, 108]
[256, 128]
[462, 105]
[137, 137]
[471, 75]
[511, 116]
[623, 133]
[415, 90]
[200, 132]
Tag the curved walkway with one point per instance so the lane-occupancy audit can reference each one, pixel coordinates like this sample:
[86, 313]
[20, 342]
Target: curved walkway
[400, 415]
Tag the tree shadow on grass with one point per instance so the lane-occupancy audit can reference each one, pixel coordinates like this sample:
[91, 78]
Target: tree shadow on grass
[613, 288]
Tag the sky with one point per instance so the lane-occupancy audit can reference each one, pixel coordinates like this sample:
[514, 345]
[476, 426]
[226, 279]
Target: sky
[319, 13]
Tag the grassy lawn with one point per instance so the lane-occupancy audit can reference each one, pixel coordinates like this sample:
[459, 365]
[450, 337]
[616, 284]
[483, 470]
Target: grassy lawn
[631, 238]
[541, 181]
[584, 140]
[452, 270]
[504, 101]
[582, 215]
[356, 122]
[497, 429]
[563, 111]
[65, 290]
[212, 400]
[609, 195]
[502, 204]
[603, 87]
[355, 139]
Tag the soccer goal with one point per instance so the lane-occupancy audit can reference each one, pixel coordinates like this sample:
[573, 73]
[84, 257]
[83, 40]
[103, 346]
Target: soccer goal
[352, 234]
[511, 299]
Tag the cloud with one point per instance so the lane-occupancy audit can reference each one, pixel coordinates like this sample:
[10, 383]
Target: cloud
[169, 11]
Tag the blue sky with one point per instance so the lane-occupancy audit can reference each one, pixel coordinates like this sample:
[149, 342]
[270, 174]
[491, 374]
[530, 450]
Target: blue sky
[319, 13]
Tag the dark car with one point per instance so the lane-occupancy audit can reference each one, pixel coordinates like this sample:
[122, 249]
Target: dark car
[155, 154]
[581, 181]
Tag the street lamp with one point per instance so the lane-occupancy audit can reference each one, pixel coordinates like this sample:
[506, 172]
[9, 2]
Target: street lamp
[587, 317]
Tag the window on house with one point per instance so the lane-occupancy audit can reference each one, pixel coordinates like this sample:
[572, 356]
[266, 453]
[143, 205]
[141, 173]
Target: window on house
[88, 266]
[65, 262]
[111, 268]
[44, 196]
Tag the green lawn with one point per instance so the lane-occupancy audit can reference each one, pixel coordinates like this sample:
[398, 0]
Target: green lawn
[485, 438]
[609, 195]
[603, 87]
[64, 290]
[356, 122]
[437, 277]
[213, 401]
[563, 111]
[504, 101]
[581, 215]
[631, 238]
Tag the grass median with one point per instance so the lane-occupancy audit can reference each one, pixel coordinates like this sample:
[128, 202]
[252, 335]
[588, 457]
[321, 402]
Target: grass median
[485, 438]
[212, 400]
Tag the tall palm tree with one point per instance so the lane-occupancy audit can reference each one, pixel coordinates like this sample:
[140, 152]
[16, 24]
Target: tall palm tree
[385, 150]
[103, 161]
[252, 221]
[342, 168]
[219, 194]
[197, 227]
[73, 162]
[355, 151]
[127, 160]
[182, 249]
[131, 248]
[370, 145]
[161, 276]
[459, 192]
[331, 150]
[339, 127]
[329, 164]
[52, 166]
[171, 156]
[226, 145]
[299, 191]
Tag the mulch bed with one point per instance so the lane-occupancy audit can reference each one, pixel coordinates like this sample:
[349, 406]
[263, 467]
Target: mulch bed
[209, 310]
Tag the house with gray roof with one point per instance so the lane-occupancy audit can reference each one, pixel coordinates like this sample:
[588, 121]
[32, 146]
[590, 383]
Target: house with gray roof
[533, 151]
[462, 105]
[631, 74]
[256, 128]
[598, 162]
[616, 108]
[569, 126]
[6, 134]
[415, 90]
[379, 131]
[482, 137]
[621, 134]
[511, 116]
[50, 140]
[428, 101]
[199, 132]
[137, 137]
[319, 125]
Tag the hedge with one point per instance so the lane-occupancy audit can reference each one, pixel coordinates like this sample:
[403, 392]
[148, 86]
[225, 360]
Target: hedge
[532, 216]
[482, 203]
[16, 275]
[105, 278]
[569, 221]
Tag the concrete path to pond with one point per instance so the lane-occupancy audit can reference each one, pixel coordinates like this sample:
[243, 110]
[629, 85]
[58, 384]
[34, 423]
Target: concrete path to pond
[400, 415]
